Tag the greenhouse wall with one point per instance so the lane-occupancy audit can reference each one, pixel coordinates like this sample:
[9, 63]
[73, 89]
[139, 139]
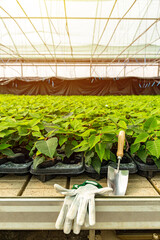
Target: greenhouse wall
[80, 86]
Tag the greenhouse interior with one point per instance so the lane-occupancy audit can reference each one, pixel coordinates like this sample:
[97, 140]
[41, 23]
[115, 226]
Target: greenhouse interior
[80, 119]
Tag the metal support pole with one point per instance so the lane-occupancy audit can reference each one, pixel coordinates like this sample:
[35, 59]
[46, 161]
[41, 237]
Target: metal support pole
[91, 235]
[124, 70]
[21, 70]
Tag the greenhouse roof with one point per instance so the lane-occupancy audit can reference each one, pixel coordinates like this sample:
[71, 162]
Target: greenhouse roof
[50, 30]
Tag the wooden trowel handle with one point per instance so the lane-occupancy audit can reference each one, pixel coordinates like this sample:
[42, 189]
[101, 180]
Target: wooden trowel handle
[121, 139]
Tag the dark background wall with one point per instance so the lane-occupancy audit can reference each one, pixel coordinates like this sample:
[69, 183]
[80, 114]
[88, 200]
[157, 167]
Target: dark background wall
[80, 86]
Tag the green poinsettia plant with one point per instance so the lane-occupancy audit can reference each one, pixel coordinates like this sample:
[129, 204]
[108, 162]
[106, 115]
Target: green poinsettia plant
[43, 150]
[97, 146]
[147, 141]
[7, 131]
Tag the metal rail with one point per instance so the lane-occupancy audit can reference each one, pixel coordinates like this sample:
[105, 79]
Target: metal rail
[111, 213]
[83, 18]
[77, 60]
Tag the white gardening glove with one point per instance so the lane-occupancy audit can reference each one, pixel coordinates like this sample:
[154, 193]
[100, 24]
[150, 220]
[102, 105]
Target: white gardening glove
[62, 220]
[84, 202]
[76, 203]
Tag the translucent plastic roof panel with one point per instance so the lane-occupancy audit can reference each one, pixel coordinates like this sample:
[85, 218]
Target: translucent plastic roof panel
[50, 30]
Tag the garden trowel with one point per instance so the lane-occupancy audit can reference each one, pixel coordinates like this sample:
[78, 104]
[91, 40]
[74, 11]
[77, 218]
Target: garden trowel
[118, 179]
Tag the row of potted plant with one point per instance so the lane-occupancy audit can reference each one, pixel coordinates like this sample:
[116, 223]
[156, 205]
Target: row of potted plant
[63, 132]
[98, 147]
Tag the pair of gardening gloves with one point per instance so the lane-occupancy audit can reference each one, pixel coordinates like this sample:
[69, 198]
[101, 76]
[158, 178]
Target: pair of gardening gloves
[79, 205]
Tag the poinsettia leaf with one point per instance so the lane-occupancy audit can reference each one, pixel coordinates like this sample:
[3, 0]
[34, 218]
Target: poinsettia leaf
[141, 137]
[142, 154]
[100, 150]
[48, 147]
[134, 147]
[150, 124]
[88, 157]
[96, 164]
[62, 139]
[93, 140]
[37, 160]
[69, 149]
[154, 148]
[122, 124]
[8, 152]
[4, 146]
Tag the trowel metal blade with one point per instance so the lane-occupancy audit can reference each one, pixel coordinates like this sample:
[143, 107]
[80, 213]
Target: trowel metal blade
[118, 180]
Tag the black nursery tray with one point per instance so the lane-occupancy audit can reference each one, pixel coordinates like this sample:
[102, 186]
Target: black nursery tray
[127, 163]
[16, 164]
[146, 170]
[45, 174]
[14, 168]
[130, 165]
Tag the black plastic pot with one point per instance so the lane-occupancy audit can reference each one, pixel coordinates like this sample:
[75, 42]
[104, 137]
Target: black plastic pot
[127, 163]
[16, 164]
[144, 169]
[3, 160]
[45, 174]
[18, 158]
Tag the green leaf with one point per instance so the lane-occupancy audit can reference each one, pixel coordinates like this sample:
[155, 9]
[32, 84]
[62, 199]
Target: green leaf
[113, 157]
[122, 124]
[35, 121]
[22, 131]
[49, 127]
[74, 143]
[35, 128]
[142, 154]
[83, 143]
[108, 137]
[108, 129]
[96, 164]
[2, 134]
[8, 152]
[88, 132]
[88, 157]
[93, 140]
[32, 150]
[157, 162]
[6, 133]
[154, 148]
[135, 147]
[107, 154]
[4, 146]
[82, 149]
[76, 124]
[100, 150]
[62, 139]
[69, 149]
[37, 161]
[142, 137]
[129, 132]
[48, 147]
[37, 134]
[150, 124]
[113, 119]
[3, 126]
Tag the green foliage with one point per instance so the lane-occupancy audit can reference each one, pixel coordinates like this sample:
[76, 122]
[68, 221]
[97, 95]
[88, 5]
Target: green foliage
[80, 123]
[47, 147]
[37, 161]
[154, 148]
